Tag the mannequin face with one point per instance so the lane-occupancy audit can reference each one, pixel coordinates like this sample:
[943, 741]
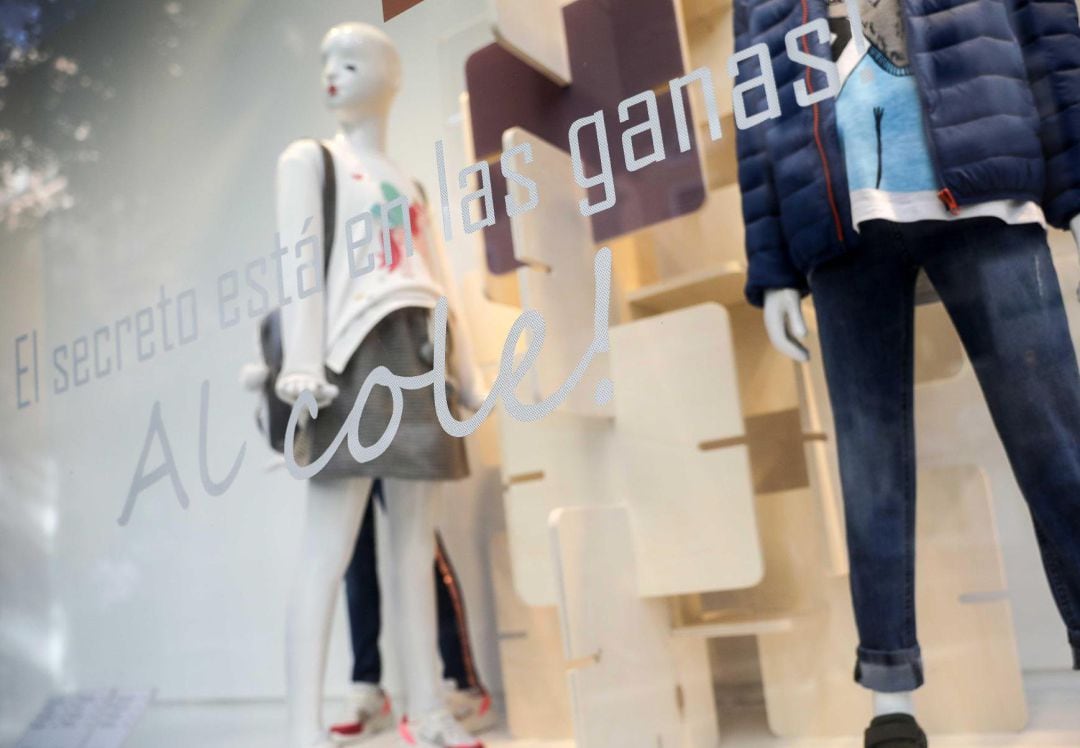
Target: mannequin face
[361, 71]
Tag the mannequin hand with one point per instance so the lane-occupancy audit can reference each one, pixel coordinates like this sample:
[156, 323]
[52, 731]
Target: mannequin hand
[1074, 225]
[473, 398]
[784, 322]
[289, 387]
[253, 376]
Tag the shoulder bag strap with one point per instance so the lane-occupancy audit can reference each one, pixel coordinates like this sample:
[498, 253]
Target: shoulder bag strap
[329, 204]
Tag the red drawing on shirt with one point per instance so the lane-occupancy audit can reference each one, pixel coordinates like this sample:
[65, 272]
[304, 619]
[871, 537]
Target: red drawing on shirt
[397, 239]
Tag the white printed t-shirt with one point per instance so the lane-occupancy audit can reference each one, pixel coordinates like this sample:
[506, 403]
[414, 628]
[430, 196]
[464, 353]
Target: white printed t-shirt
[355, 303]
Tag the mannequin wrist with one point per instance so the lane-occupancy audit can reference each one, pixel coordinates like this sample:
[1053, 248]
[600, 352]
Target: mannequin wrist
[1074, 227]
[782, 290]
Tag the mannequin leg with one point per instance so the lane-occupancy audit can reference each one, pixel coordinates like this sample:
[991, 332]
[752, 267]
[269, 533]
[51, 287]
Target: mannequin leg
[364, 601]
[865, 312]
[1003, 294]
[334, 510]
[411, 529]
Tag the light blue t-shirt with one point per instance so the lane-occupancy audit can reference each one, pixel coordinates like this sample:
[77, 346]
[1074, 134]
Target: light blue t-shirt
[882, 129]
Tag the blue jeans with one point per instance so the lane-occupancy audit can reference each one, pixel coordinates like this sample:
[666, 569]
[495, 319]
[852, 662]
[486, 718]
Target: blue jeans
[1002, 293]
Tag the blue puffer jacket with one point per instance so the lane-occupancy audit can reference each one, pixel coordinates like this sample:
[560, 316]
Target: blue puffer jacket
[1000, 86]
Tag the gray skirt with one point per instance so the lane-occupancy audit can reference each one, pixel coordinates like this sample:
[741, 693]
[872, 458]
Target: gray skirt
[421, 450]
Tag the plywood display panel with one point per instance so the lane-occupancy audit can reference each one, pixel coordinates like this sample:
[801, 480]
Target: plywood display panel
[692, 516]
[534, 33]
[530, 649]
[613, 55]
[696, 699]
[503, 288]
[721, 284]
[559, 461]
[555, 243]
[623, 682]
[675, 378]
[705, 239]
[489, 321]
[682, 465]
[792, 544]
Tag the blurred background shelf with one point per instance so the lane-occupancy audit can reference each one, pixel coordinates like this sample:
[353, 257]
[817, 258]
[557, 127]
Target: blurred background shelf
[722, 284]
[743, 623]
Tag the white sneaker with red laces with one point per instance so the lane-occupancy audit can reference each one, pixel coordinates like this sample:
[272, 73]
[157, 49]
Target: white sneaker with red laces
[472, 708]
[368, 713]
[437, 729]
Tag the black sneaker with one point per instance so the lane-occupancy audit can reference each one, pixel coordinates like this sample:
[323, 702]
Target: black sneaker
[895, 731]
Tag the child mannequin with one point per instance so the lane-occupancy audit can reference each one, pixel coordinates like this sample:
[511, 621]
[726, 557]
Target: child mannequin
[373, 311]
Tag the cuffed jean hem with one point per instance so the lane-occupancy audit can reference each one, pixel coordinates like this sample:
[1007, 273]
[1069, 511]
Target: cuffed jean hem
[891, 671]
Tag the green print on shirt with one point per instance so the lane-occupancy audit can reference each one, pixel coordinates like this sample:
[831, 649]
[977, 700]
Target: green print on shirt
[396, 219]
[396, 214]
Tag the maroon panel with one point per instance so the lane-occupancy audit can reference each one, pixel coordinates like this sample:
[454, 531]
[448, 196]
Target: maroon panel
[618, 48]
[391, 8]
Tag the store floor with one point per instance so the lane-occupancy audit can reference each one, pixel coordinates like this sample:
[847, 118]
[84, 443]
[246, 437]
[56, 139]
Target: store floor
[1053, 703]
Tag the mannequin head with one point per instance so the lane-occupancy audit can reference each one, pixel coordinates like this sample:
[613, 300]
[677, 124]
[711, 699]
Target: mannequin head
[361, 72]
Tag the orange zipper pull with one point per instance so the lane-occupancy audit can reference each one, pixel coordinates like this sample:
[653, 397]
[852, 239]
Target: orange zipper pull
[946, 197]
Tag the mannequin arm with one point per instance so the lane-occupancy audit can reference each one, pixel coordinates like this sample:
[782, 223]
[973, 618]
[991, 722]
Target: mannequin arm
[784, 322]
[1074, 226]
[253, 374]
[299, 218]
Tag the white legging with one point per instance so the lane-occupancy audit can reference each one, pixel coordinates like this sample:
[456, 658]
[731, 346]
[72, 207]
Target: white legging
[335, 508]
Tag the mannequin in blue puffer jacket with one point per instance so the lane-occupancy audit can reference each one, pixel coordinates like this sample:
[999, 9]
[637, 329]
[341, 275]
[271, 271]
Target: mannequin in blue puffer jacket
[1000, 96]
[952, 140]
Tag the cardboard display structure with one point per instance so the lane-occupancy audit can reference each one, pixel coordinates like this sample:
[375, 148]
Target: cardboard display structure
[703, 500]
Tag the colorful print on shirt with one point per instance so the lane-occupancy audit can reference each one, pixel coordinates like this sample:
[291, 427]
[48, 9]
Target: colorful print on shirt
[878, 110]
[397, 226]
